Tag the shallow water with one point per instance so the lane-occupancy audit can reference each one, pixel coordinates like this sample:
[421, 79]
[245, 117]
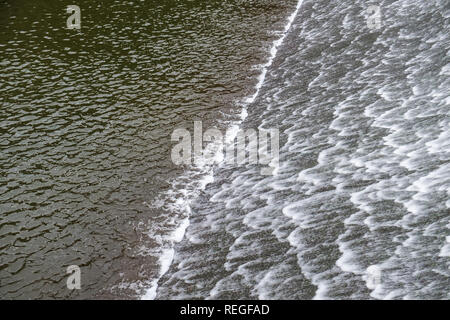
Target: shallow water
[86, 176]
[360, 206]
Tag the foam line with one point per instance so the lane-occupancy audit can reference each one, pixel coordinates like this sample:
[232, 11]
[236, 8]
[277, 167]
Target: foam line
[207, 170]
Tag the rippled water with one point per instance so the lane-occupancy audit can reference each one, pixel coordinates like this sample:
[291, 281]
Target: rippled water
[86, 176]
[85, 123]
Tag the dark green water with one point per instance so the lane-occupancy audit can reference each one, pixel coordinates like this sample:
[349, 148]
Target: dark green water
[85, 123]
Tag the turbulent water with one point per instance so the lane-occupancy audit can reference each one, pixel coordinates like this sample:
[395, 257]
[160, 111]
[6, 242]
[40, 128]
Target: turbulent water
[86, 176]
[364, 177]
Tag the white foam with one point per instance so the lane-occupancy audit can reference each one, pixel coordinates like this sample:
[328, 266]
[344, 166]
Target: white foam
[165, 260]
[273, 52]
[445, 250]
[204, 170]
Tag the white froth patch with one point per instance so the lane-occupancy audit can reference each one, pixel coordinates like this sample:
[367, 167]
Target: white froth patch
[445, 250]
[441, 144]
[178, 234]
[150, 294]
[345, 261]
[165, 260]
[373, 277]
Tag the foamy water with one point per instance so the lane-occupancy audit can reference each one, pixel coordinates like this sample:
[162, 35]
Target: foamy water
[204, 170]
[359, 208]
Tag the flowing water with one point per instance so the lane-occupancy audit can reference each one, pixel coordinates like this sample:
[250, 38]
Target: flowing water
[364, 180]
[86, 177]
